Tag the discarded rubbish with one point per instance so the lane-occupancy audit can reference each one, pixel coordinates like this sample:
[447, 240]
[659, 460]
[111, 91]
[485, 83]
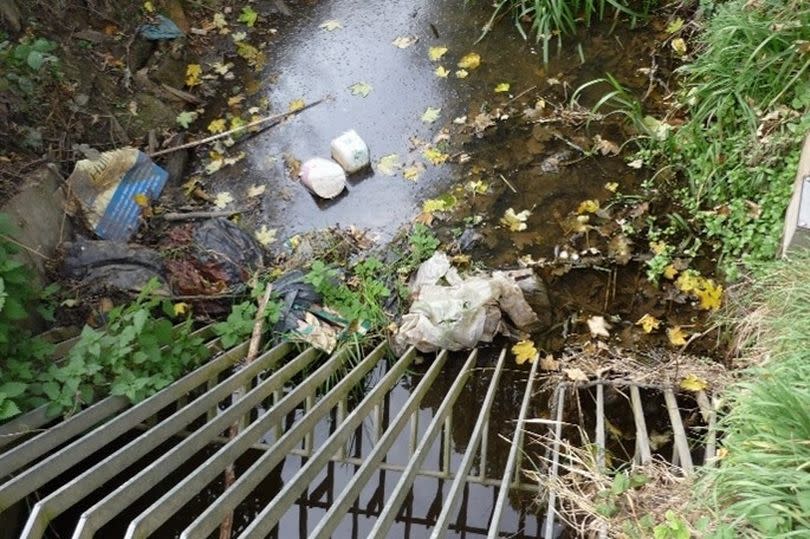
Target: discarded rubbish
[297, 296]
[111, 265]
[351, 152]
[464, 311]
[323, 177]
[161, 28]
[317, 333]
[111, 191]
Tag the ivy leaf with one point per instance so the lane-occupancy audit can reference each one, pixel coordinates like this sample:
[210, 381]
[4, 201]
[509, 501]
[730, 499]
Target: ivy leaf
[431, 114]
[180, 308]
[222, 200]
[403, 42]
[462, 74]
[389, 164]
[524, 351]
[248, 16]
[186, 118]
[361, 89]
[693, 383]
[676, 336]
[330, 25]
[217, 126]
[441, 72]
[502, 88]
[265, 235]
[193, 73]
[297, 104]
[435, 53]
[516, 222]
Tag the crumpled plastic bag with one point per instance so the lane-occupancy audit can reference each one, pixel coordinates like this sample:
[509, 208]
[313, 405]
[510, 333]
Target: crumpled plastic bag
[461, 312]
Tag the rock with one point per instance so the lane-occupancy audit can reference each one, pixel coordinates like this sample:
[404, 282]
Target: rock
[39, 214]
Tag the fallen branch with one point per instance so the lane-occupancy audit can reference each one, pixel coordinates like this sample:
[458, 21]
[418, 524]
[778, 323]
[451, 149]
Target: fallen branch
[191, 215]
[226, 528]
[261, 121]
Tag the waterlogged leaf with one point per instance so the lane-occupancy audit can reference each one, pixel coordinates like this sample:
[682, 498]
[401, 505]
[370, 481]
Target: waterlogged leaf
[217, 126]
[612, 186]
[256, 191]
[675, 26]
[502, 88]
[361, 89]
[403, 42]
[470, 61]
[477, 187]
[296, 104]
[445, 203]
[515, 221]
[253, 56]
[389, 164]
[248, 16]
[588, 206]
[679, 46]
[265, 235]
[236, 100]
[676, 336]
[180, 308]
[435, 53]
[430, 115]
[222, 200]
[436, 157]
[598, 326]
[413, 172]
[330, 25]
[186, 118]
[193, 73]
[524, 351]
[648, 323]
[441, 72]
[693, 383]
[462, 74]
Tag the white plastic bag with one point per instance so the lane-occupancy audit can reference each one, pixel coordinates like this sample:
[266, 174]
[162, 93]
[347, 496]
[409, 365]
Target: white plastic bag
[323, 177]
[350, 151]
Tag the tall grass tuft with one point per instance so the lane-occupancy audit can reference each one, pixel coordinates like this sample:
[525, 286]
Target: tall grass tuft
[549, 19]
[763, 482]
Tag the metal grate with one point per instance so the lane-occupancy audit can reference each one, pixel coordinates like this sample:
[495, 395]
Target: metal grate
[286, 393]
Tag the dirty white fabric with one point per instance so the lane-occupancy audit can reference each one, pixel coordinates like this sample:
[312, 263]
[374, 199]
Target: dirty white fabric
[456, 313]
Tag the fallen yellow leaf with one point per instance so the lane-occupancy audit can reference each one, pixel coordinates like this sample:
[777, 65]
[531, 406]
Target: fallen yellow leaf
[413, 172]
[598, 326]
[142, 200]
[548, 363]
[462, 74]
[693, 383]
[435, 53]
[515, 221]
[389, 164]
[193, 73]
[679, 46]
[180, 308]
[612, 186]
[436, 157]
[217, 126]
[470, 61]
[222, 200]
[441, 72]
[575, 374]
[524, 351]
[502, 87]
[588, 206]
[296, 104]
[710, 295]
[648, 323]
[670, 272]
[265, 235]
[676, 336]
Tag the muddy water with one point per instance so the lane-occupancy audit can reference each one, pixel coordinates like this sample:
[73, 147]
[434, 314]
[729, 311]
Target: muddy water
[307, 62]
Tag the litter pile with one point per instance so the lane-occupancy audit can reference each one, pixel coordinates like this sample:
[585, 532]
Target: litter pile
[456, 313]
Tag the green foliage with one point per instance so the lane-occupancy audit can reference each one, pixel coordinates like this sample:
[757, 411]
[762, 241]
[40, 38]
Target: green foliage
[553, 18]
[363, 300]
[674, 527]
[762, 480]
[239, 324]
[26, 64]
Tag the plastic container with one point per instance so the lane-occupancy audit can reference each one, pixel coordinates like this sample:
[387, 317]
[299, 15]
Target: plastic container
[351, 152]
[323, 177]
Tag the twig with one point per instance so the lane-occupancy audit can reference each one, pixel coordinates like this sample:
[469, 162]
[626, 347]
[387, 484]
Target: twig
[521, 94]
[253, 350]
[512, 187]
[27, 248]
[275, 118]
[191, 215]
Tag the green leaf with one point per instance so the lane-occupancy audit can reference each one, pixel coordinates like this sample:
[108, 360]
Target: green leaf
[35, 60]
[186, 118]
[248, 16]
[12, 389]
[621, 484]
[8, 409]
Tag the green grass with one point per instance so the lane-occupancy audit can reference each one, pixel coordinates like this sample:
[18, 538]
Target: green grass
[763, 484]
[550, 19]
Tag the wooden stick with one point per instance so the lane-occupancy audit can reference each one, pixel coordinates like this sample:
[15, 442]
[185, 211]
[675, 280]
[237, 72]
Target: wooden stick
[509, 185]
[226, 529]
[191, 215]
[212, 138]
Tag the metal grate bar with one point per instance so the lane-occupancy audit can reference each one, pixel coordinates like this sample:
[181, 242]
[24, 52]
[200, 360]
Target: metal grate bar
[678, 432]
[600, 426]
[456, 489]
[59, 462]
[370, 464]
[62, 499]
[511, 462]
[270, 515]
[551, 511]
[173, 500]
[643, 453]
[402, 488]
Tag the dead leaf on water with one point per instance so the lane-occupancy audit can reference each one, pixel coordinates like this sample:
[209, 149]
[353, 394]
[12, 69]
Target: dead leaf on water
[265, 235]
[470, 61]
[598, 326]
[435, 53]
[524, 351]
[296, 104]
[389, 164]
[330, 25]
[431, 114]
[503, 87]
[256, 191]
[441, 72]
[413, 172]
[435, 156]
[223, 199]
[361, 89]
[516, 222]
[403, 42]
[462, 74]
